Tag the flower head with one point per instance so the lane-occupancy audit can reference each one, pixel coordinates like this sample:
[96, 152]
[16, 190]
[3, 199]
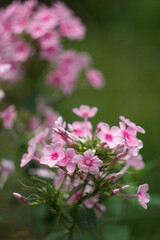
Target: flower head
[143, 196]
[95, 78]
[88, 162]
[8, 116]
[112, 137]
[68, 160]
[85, 111]
[52, 154]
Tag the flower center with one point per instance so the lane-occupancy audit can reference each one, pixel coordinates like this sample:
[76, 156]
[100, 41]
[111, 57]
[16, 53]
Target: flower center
[88, 162]
[54, 156]
[68, 159]
[108, 137]
[126, 135]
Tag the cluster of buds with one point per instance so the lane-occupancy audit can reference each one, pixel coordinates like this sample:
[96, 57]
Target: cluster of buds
[31, 29]
[85, 165]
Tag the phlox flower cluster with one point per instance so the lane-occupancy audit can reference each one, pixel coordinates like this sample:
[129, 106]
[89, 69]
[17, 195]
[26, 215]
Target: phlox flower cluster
[87, 165]
[32, 29]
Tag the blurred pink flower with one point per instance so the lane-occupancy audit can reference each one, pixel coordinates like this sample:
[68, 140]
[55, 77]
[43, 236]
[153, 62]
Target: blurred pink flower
[95, 78]
[85, 111]
[143, 197]
[8, 116]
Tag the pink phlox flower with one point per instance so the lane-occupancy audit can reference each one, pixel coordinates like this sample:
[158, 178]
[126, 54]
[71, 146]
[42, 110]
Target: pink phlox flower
[46, 17]
[36, 29]
[112, 137]
[72, 28]
[85, 111]
[95, 78]
[60, 123]
[129, 136]
[88, 162]
[143, 196]
[77, 128]
[68, 160]
[59, 178]
[52, 154]
[49, 39]
[131, 124]
[62, 11]
[42, 172]
[6, 168]
[39, 137]
[8, 116]
[22, 51]
[27, 157]
[49, 53]
[135, 161]
[14, 73]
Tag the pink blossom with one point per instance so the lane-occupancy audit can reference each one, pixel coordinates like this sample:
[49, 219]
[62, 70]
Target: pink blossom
[143, 197]
[39, 137]
[68, 160]
[135, 161]
[129, 135]
[88, 162]
[95, 78]
[8, 116]
[21, 52]
[6, 168]
[85, 111]
[46, 17]
[49, 53]
[27, 157]
[49, 39]
[131, 124]
[62, 11]
[52, 154]
[112, 137]
[59, 178]
[72, 28]
[36, 29]
[42, 172]
[78, 129]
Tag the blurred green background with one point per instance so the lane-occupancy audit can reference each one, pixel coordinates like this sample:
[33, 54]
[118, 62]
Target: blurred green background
[123, 38]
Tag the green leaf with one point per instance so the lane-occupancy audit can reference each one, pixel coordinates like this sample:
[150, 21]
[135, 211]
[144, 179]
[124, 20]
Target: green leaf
[120, 232]
[57, 235]
[88, 215]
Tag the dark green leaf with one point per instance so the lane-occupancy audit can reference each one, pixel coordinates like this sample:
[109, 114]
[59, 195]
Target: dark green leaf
[57, 235]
